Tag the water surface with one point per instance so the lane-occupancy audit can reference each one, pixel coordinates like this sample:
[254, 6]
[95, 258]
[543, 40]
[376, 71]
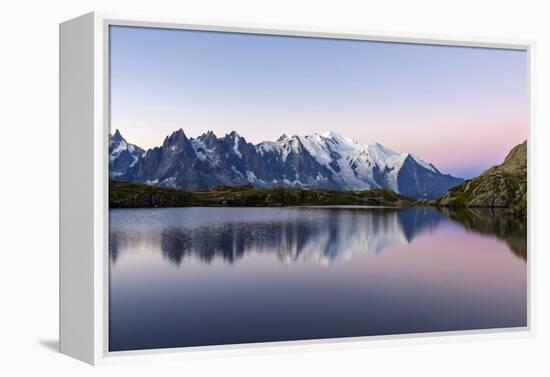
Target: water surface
[205, 276]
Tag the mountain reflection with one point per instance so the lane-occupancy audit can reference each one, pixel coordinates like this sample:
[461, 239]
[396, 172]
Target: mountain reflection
[317, 234]
[495, 222]
[307, 234]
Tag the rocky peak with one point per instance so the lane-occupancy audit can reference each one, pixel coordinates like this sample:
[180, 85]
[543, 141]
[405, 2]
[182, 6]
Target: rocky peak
[122, 154]
[504, 185]
[331, 135]
[207, 135]
[516, 161]
[209, 139]
[233, 136]
[117, 136]
[285, 137]
[177, 137]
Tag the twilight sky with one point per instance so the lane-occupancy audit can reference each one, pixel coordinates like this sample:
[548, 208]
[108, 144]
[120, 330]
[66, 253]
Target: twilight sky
[460, 108]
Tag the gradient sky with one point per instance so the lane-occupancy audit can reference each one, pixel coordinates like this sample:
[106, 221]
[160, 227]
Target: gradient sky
[460, 108]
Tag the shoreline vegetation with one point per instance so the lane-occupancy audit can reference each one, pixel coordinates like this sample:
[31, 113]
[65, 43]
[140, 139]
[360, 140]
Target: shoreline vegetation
[501, 186]
[133, 195]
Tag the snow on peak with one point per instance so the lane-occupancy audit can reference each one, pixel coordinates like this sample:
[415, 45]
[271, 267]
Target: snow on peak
[423, 163]
[233, 134]
[118, 146]
[353, 163]
[337, 137]
[268, 146]
[380, 153]
[382, 149]
[236, 145]
[329, 134]
[286, 136]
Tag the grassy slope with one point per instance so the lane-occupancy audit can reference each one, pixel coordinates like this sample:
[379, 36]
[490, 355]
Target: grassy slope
[124, 194]
[129, 195]
[502, 186]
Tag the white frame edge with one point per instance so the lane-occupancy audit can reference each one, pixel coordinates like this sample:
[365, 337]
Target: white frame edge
[76, 212]
[84, 116]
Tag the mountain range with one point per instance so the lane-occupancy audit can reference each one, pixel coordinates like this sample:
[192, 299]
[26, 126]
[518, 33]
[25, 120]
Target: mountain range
[326, 160]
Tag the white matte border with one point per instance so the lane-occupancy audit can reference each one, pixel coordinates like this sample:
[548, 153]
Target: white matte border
[101, 205]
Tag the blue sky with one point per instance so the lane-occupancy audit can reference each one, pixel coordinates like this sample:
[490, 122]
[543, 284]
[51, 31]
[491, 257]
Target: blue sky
[460, 108]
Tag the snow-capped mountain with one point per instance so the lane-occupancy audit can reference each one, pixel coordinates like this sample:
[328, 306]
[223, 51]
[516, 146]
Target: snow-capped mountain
[122, 155]
[327, 160]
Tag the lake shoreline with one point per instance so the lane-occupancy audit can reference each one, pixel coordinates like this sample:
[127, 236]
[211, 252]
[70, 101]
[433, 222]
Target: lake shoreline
[132, 195]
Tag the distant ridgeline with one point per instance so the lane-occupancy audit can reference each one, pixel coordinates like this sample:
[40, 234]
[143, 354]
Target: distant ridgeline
[318, 161]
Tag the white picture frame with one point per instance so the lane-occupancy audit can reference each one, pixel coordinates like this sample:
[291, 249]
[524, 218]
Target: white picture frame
[84, 130]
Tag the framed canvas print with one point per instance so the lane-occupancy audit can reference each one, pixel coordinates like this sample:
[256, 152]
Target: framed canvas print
[224, 186]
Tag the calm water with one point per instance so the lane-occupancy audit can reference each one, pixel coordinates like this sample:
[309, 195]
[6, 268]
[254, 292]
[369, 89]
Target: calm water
[204, 276]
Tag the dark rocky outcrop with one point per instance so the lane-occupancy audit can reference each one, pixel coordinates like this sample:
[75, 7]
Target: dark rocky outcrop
[502, 186]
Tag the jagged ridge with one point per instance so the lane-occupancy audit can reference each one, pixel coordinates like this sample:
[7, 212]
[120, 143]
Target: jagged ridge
[324, 161]
[122, 155]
